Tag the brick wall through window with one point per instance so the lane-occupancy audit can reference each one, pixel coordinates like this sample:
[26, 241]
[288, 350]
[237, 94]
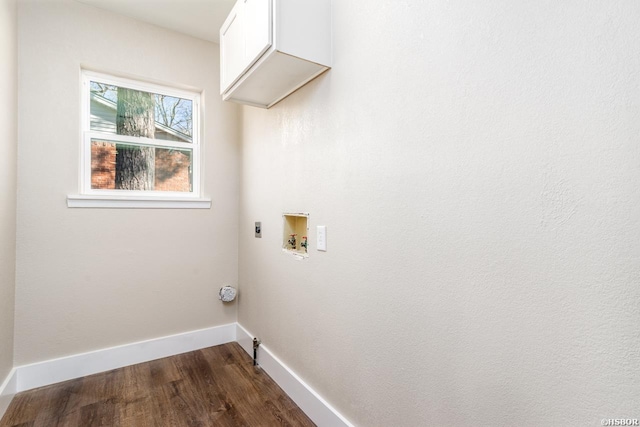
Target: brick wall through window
[171, 174]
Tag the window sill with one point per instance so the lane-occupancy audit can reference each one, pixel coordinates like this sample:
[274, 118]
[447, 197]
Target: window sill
[120, 202]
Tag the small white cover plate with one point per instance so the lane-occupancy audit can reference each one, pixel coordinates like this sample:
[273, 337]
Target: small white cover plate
[321, 238]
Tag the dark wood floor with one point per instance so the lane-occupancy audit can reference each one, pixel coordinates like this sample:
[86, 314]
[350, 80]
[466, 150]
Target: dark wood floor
[216, 386]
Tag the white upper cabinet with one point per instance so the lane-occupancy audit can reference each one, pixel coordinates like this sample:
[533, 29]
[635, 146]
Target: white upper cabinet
[270, 48]
[231, 47]
[258, 28]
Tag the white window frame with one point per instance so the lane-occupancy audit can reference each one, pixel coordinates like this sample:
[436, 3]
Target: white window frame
[90, 197]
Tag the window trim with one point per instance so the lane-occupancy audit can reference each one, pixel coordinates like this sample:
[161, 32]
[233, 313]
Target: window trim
[89, 197]
[123, 202]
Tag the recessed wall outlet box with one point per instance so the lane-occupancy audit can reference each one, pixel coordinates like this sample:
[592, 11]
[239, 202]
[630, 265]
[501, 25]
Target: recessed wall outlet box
[295, 234]
[258, 230]
[321, 238]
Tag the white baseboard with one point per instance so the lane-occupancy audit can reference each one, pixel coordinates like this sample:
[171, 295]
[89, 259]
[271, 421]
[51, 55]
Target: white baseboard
[8, 389]
[316, 408]
[80, 365]
[40, 374]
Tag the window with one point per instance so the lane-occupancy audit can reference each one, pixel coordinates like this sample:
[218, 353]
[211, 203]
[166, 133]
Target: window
[140, 141]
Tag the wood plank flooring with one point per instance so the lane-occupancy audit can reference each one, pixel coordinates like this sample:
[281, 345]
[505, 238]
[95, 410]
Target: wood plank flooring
[216, 386]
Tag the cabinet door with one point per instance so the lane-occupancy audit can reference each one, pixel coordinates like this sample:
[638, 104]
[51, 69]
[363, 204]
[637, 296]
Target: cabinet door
[232, 57]
[258, 30]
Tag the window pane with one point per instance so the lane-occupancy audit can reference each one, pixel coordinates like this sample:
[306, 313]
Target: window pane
[124, 111]
[116, 166]
[173, 170]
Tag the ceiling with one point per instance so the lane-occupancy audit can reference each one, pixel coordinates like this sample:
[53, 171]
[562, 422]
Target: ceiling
[197, 18]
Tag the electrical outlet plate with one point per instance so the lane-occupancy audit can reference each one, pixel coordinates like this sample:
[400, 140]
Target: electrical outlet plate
[295, 232]
[321, 238]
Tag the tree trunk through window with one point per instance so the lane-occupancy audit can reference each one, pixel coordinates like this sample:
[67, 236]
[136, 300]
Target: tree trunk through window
[135, 165]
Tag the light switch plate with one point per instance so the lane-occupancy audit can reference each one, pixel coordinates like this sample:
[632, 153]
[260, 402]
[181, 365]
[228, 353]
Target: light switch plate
[258, 230]
[321, 238]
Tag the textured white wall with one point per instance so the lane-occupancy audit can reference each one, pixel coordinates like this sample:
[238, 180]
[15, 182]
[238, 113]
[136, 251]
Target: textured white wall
[8, 138]
[94, 278]
[477, 166]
